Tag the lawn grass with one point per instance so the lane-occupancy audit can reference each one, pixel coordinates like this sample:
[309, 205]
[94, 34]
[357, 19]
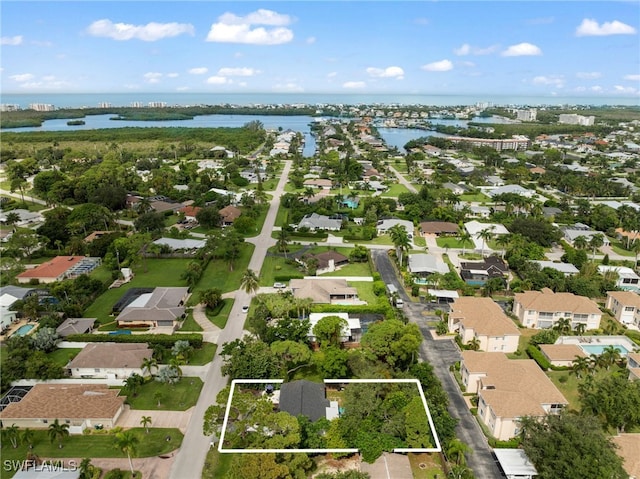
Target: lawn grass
[204, 355]
[156, 275]
[451, 242]
[351, 269]
[220, 315]
[93, 445]
[281, 215]
[62, 356]
[276, 266]
[262, 216]
[103, 274]
[365, 291]
[419, 241]
[523, 344]
[395, 189]
[474, 197]
[619, 248]
[216, 465]
[175, 397]
[426, 466]
[380, 240]
[217, 274]
[190, 324]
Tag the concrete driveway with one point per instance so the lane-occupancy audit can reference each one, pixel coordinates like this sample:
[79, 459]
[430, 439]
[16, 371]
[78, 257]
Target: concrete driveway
[173, 419]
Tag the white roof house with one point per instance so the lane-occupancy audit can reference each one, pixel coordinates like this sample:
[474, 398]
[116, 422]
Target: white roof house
[352, 329]
[565, 268]
[314, 221]
[426, 263]
[176, 244]
[516, 189]
[627, 278]
[385, 225]
[474, 227]
[26, 217]
[515, 464]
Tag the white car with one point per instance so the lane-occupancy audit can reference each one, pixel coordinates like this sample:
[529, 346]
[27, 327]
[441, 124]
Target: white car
[245, 309]
[279, 285]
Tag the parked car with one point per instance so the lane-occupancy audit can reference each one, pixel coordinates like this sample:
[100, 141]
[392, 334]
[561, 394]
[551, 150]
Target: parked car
[279, 285]
[245, 308]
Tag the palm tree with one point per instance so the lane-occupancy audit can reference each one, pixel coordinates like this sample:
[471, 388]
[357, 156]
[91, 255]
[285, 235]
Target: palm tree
[580, 328]
[580, 365]
[145, 421]
[148, 364]
[174, 364]
[563, 326]
[596, 242]
[127, 442]
[580, 242]
[400, 239]
[464, 238]
[503, 241]
[86, 469]
[610, 356]
[250, 281]
[456, 450]
[12, 434]
[58, 431]
[596, 362]
[485, 235]
[474, 344]
[283, 241]
[27, 437]
[157, 397]
[133, 383]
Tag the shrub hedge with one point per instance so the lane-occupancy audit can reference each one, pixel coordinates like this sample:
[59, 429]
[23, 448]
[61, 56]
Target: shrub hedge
[166, 340]
[535, 354]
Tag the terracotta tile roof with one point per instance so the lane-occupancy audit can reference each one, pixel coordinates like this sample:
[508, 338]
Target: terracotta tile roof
[548, 301]
[66, 401]
[52, 269]
[628, 447]
[562, 352]
[626, 298]
[518, 386]
[483, 315]
[111, 355]
[190, 210]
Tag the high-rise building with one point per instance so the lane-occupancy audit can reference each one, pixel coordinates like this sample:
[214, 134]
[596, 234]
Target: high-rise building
[527, 115]
[42, 107]
[575, 119]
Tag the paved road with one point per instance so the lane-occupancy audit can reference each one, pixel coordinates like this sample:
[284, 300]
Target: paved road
[190, 459]
[403, 180]
[441, 355]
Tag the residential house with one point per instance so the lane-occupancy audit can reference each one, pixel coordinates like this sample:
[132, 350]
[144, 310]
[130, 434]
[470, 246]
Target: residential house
[508, 390]
[442, 296]
[328, 261]
[321, 183]
[473, 210]
[162, 205]
[484, 320]
[81, 406]
[48, 471]
[495, 181]
[325, 291]
[384, 226]
[627, 280]
[190, 212]
[579, 229]
[562, 354]
[625, 306]
[59, 268]
[423, 264]
[9, 295]
[438, 228]
[314, 222]
[510, 189]
[352, 331]
[75, 326]
[370, 174]
[515, 464]
[543, 309]
[27, 218]
[478, 273]
[186, 244]
[229, 214]
[474, 228]
[627, 236]
[627, 447]
[109, 360]
[455, 188]
[633, 365]
[565, 268]
[304, 398]
[161, 307]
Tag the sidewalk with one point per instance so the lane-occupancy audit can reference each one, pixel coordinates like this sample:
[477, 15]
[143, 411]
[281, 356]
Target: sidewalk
[210, 332]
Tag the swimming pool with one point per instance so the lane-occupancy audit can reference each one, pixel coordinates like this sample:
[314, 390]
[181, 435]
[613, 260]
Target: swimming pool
[23, 330]
[597, 349]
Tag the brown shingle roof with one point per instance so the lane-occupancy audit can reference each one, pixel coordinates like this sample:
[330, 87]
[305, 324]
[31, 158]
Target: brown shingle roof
[628, 447]
[483, 315]
[438, 227]
[66, 401]
[548, 301]
[320, 290]
[626, 298]
[230, 213]
[111, 355]
[519, 385]
[562, 352]
[52, 269]
[324, 258]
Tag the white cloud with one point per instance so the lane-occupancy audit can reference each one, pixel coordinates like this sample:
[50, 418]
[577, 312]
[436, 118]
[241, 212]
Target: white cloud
[218, 80]
[588, 75]
[311, 40]
[150, 32]
[152, 77]
[596, 88]
[332, 74]
[389, 72]
[47, 82]
[441, 66]
[555, 80]
[242, 84]
[237, 72]
[522, 49]
[231, 28]
[173, 75]
[22, 77]
[632, 77]
[590, 28]
[198, 70]
[580, 89]
[354, 84]
[625, 89]
[17, 40]
[464, 49]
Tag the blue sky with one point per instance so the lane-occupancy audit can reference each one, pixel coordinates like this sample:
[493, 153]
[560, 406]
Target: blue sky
[424, 47]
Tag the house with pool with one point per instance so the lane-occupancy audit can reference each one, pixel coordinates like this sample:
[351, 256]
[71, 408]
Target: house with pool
[543, 309]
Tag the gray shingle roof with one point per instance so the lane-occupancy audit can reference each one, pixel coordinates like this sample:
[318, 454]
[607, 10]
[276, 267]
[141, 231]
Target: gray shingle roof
[304, 397]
